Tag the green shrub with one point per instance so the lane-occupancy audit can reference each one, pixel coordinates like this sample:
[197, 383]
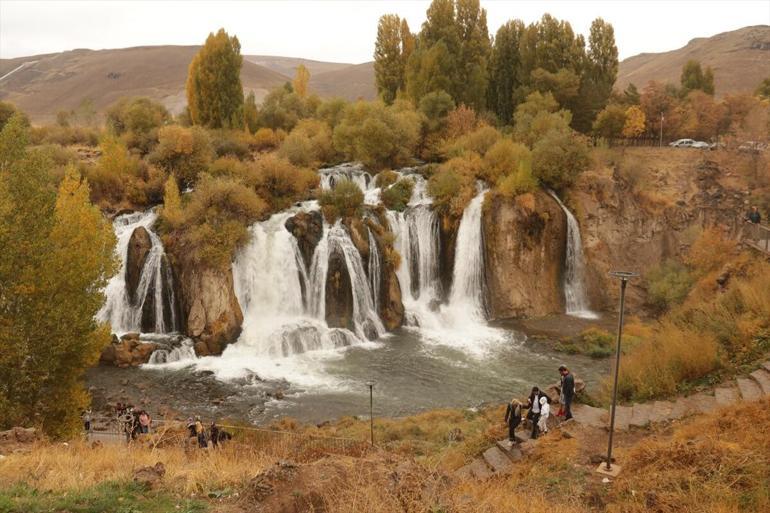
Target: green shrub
[558, 158]
[138, 121]
[231, 143]
[385, 178]
[397, 195]
[7, 110]
[479, 141]
[520, 182]
[309, 144]
[593, 342]
[436, 106]
[183, 152]
[452, 186]
[504, 158]
[668, 284]
[342, 201]
[64, 135]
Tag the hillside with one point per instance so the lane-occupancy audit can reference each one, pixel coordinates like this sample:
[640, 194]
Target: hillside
[287, 65]
[740, 60]
[61, 81]
[352, 82]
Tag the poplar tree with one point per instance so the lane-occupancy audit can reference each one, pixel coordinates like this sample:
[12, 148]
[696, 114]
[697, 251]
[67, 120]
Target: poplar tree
[214, 91]
[505, 70]
[695, 78]
[389, 61]
[301, 81]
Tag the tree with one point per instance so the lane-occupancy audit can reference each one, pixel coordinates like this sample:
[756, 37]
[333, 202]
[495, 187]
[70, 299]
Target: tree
[171, 214]
[631, 95]
[558, 158]
[702, 116]
[389, 61]
[214, 91]
[472, 78]
[250, 113]
[505, 70]
[610, 122]
[635, 122]
[57, 255]
[600, 73]
[301, 81]
[694, 78]
[763, 90]
[184, 152]
[435, 107]
[657, 100]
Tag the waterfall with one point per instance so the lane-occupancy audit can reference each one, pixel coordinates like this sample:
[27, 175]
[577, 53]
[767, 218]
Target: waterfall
[575, 297]
[185, 352]
[374, 270]
[468, 277]
[155, 283]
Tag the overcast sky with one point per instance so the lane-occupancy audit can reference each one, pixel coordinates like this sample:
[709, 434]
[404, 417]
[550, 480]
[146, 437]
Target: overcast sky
[341, 31]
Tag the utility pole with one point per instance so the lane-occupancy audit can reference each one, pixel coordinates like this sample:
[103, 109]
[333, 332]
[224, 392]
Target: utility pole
[661, 129]
[370, 384]
[608, 468]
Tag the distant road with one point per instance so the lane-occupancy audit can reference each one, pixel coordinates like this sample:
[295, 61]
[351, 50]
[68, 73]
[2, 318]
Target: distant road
[18, 68]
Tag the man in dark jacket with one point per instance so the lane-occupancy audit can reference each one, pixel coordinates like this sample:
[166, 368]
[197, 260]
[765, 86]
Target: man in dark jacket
[567, 390]
[753, 216]
[533, 405]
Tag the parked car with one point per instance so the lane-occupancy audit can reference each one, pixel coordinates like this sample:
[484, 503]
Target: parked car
[682, 143]
[700, 144]
[752, 147]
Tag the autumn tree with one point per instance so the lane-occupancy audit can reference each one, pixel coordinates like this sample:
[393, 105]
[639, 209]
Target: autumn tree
[214, 91]
[184, 152]
[610, 122]
[389, 59]
[695, 78]
[599, 75]
[57, 255]
[505, 70]
[250, 113]
[763, 90]
[301, 81]
[635, 122]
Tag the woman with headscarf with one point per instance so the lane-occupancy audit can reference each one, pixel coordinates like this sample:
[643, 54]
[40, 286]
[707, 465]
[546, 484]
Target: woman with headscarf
[513, 418]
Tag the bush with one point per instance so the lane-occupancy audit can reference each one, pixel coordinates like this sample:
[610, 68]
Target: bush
[558, 159]
[215, 221]
[376, 135]
[668, 284]
[504, 158]
[138, 120]
[452, 186]
[183, 152]
[231, 143]
[309, 144]
[397, 196]
[231, 167]
[267, 139]
[710, 251]
[280, 183]
[436, 106]
[331, 111]
[593, 342]
[478, 141]
[385, 178]
[462, 120]
[282, 109]
[342, 201]
[7, 110]
[520, 182]
[64, 135]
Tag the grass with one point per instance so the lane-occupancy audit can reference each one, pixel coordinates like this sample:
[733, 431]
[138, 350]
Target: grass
[593, 342]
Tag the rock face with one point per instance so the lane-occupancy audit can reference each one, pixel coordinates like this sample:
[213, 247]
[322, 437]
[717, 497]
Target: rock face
[448, 227]
[525, 242]
[210, 308]
[129, 351]
[148, 308]
[307, 228]
[139, 246]
[339, 294]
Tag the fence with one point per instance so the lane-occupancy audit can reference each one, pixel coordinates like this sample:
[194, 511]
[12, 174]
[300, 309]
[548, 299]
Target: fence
[613, 142]
[758, 237]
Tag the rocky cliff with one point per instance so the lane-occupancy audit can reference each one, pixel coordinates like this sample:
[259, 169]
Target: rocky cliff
[525, 240]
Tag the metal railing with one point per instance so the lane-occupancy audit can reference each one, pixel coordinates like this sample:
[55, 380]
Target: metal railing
[758, 237]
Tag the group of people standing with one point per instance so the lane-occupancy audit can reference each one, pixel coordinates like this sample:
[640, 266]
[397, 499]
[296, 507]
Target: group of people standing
[214, 434]
[538, 407]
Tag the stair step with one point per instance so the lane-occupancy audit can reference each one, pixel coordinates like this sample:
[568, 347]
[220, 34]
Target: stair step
[762, 377]
[766, 365]
[622, 417]
[590, 416]
[498, 460]
[640, 415]
[511, 450]
[682, 408]
[661, 411]
[703, 403]
[727, 396]
[479, 469]
[750, 390]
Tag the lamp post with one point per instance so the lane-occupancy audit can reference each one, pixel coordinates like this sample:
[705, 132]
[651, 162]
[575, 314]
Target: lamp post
[661, 132]
[624, 276]
[370, 384]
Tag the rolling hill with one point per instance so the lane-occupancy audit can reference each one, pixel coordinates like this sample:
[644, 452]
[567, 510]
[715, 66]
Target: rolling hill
[740, 60]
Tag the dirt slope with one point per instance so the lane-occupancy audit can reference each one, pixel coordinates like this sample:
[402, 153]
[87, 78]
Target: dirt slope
[288, 65]
[740, 60]
[352, 82]
[49, 83]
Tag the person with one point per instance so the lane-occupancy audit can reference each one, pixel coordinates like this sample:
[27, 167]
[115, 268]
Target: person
[191, 427]
[200, 433]
[567, 390]
[513, 418]
[214, 434]
[144, 422]
[753, 215]
[545, 411]
[533, 405]
[87, 420]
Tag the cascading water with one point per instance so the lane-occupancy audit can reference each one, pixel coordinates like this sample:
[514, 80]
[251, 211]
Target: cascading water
[575, 297]
[468, 278]
[374, 270]
[155, 283]
[184, 353]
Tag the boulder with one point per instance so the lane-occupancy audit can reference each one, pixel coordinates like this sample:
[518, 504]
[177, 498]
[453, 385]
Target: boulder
[307, 228]
[339, 294]
[128, 352]
[150, 477]
[139, 245]
[525, 241]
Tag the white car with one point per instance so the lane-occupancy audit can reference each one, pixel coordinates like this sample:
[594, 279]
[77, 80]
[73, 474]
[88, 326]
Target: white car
[682, 143]
[700, 144]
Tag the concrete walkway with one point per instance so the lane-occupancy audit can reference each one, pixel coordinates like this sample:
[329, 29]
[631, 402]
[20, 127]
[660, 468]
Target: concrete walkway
[500, 458]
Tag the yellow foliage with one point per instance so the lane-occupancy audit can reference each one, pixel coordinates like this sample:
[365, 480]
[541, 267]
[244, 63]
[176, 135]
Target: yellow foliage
[635, 122]
[301, 81]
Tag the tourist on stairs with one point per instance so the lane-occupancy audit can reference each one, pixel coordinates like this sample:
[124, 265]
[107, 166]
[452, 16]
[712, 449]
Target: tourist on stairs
[533, 405]
[545, 411]
[513, 418]
[567, 390]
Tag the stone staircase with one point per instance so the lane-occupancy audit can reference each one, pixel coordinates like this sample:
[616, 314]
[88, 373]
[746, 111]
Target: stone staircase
[499, 459]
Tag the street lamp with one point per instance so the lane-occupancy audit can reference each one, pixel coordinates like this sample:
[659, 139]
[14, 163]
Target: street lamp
[661, 132]
[624, 276]
[370, 384]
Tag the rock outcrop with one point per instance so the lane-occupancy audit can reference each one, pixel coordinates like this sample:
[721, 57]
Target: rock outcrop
[525, 241]
[307, 228]
[128, 351]
[139, 245]
[339, 293]
[209, 307]
[448, 227]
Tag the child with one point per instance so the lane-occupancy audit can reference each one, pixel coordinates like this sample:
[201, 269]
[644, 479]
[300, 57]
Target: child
[513, 418]
[545, 410]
